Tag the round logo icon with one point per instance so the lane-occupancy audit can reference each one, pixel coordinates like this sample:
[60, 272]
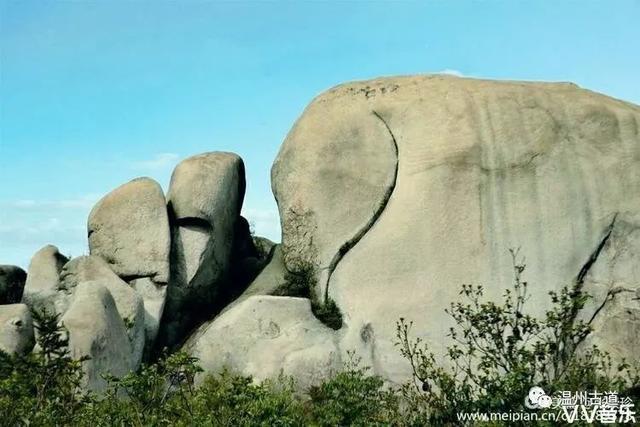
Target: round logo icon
[537, 399]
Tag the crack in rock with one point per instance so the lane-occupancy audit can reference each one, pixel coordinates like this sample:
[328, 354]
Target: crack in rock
[595, 254]
[349, 244]
[609, 297]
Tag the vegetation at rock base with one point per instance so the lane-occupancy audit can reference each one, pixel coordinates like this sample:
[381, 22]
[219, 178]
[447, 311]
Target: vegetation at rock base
[497, 352]
[301, 283]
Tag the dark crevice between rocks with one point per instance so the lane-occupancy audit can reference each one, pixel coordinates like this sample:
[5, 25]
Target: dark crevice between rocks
[131, 277]
[349, 244]
[187, 308]
[194, 223]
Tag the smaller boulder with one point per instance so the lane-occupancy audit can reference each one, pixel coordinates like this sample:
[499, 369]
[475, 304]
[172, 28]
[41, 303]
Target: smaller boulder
[129, 303]
[96, 330]
[43, 278]
[154, 296]
[16, 329]
[264, 336]
[12, 281]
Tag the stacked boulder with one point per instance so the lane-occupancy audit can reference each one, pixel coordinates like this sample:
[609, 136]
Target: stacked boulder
[129, 229]
[205, 199]
[43, 278]
[129, 304]
[154, 268]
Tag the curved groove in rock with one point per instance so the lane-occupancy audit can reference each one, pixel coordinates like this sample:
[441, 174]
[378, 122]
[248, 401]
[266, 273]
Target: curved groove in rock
[349, 244]
[596, 253]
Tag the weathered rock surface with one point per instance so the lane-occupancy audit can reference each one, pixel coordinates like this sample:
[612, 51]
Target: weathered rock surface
[613, 281]
[12, 281]
[154, 297]
[43, 278]
[331, 179]
[129, 303]
[129, 229]
[402, 189]
[16, 329]
[205, 198]
[96, 330]
[264, 335]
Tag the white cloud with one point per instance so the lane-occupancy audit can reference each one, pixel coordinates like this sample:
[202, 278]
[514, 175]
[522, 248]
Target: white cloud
[451, 72]
[83, 202]
[23, 238]
[158, 162]
[27, 225]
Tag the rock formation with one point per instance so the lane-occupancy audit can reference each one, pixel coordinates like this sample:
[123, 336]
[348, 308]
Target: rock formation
[205, 198]
[400, 190]
[392, 193]
[129, 229]
[97, 331]
[129, 303]
[43, 278]
[264, 335]
[16, 329]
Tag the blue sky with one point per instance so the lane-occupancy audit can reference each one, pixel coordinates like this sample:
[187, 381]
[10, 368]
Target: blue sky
[95, 93]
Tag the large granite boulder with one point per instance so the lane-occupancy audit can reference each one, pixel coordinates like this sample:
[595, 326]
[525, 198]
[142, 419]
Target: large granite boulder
[43, 278]
[12, 281]
[95, 329]
[16, 329]
[129, 229]
[399, 190]
[129, 303]
[265, 335]
[205, 198]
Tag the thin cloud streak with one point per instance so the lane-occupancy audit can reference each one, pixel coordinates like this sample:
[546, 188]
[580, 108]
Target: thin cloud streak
[159, 162]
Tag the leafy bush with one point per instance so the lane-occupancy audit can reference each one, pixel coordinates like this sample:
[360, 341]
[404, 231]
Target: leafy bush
[44, 389]
[499, 352]
[354, 397]
[42, 386]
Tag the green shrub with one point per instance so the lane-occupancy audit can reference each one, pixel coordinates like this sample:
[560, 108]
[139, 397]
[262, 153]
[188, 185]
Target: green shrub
[498, 352]
[354, 397]
[231, 400]
[42, 388]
